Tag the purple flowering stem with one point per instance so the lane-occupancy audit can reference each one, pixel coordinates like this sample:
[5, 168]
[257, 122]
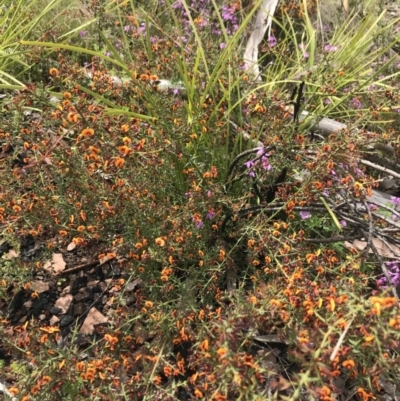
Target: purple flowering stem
[384, 268]
[389, 209]
[243, 154]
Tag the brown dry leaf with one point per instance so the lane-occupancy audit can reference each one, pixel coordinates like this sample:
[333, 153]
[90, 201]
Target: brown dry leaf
[11, 254]
[271, 338]
[40, 286]
[93, 318]
[381, 247]
[64, 302]
[140, 333]
[71, 246]
[106, 258]
[8, 332]
[56, 265]
[54, 320]
[281, 384]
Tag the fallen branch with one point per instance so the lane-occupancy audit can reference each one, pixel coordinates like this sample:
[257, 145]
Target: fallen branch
[380, 168]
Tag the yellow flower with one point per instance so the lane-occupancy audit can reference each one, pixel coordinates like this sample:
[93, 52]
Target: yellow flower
[119, 162]
[86, 133]
[204, 345]
[46, 379]
[348, 364]
[80, 366]
[222, 352]
[127, 141]
[364, 395]
[160, 241]
[13, 391]
[253, 300]
[125, 150]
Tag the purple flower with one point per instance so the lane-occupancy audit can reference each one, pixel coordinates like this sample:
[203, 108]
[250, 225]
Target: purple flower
[226, 13]
[343, 223]
[249, 164]
[142, 28]
[260, 151]
[210, 215]
[265, 163]
[108, 54]
[356, 103]
[329, 48]
[272, 42]
[395, 201]
[82, 33]
[222, 45]
[381, 282]
[393, 273]
[305, 214]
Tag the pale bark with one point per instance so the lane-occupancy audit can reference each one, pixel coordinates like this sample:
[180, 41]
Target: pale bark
[263, 22]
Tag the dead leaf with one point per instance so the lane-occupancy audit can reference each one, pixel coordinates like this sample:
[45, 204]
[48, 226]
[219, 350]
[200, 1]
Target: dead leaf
[8, 332]
[66, 290]
[56, 265]
[281, 384]
[133, 284]
[11, 254]
[381, 247]
[64, 302]
[71, 246]
[140, 332]
[54, 320]
[93, 318]
[40, 286]
[106, 258]
[271, 338]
